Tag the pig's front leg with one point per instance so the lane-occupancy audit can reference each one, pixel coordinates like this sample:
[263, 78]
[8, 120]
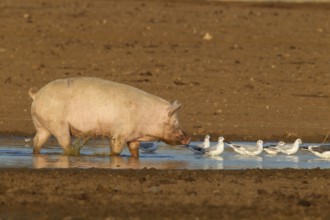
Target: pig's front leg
[117, 144]
[133, 147]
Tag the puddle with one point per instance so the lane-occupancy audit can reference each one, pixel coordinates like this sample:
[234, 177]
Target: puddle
[15, 154]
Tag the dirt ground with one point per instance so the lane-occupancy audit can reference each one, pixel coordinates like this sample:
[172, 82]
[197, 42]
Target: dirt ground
[156, 194]
[246, 71]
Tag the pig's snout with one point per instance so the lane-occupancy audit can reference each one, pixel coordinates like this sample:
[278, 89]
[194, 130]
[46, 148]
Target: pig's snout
[177, 137]
[184, 138]
[186, 141]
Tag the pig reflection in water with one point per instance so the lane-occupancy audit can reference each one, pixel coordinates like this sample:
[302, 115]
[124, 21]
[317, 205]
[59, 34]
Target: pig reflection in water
[87, 107]
[60, 161]
[45, 161]
[134, 163]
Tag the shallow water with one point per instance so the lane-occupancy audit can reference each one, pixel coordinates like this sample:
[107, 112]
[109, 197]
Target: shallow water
[14, 153]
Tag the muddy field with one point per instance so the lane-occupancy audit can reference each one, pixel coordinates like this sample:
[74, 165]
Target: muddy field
[155, 194]
[244, 71]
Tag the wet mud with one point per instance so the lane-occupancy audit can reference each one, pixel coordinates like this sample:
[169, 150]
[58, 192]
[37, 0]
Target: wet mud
[164, 194]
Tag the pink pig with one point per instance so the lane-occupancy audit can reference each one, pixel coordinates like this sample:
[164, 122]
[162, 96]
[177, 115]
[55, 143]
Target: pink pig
[88, 107]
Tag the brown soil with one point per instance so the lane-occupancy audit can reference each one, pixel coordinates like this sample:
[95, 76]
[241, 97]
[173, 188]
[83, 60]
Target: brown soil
[156, 194]
[264, 74]
[245, 71]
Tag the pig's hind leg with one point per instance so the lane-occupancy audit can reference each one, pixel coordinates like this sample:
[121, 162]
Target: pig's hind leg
[117, 145]
[40, 139]
[63, 136]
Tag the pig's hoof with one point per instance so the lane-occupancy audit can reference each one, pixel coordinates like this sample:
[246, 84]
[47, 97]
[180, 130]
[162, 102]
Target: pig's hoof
[113, 154]
[71, 151]
[134, 153]
[36, 151]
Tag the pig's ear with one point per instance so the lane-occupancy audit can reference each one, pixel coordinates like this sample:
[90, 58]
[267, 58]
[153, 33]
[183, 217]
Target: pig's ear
[173, 108]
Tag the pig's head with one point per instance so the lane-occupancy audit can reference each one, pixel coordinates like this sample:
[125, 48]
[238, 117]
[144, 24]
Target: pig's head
[172, 132]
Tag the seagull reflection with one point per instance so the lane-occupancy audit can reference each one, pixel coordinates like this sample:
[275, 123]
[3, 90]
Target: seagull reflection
[215, 162]
[127, 162]
[215, 158]
[250, 161]
[199, 156]
[318, 160]
[291, 161]
[248, 158]
[291, 158]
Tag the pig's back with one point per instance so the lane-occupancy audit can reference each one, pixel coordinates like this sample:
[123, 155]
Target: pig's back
[95, 90]
[87, 102]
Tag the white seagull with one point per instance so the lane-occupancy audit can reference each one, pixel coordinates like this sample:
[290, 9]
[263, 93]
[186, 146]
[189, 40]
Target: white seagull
[206, 143]
[200, 148]
[217, 149]
[272, 149]
[289, 148]
[320, 151]
[27, 139]
[251, 150]
[149, 147]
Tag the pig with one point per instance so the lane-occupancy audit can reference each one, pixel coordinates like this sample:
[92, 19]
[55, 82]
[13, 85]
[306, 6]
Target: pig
[86, 107]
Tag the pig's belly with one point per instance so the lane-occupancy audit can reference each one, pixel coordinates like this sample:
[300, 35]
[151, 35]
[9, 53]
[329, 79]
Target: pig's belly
[89, 126]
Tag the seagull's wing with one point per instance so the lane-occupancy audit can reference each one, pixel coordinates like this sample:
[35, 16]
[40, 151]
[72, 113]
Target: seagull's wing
[202, 145]
[235, 146]
[272, 146]
[250, 148]
[321, 148]
[212, 148]
[240, 147]
[272, 151]
[325, 146]
[285, 147]
[244, 147]
[196, 149]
